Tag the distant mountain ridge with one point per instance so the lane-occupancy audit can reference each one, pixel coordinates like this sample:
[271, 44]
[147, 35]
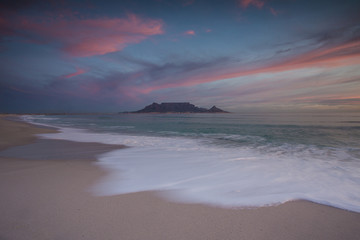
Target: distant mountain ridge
[177, 107]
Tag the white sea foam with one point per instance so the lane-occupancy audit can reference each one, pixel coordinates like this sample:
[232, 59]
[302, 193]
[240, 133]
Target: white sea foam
[31, 119]
[194, 171]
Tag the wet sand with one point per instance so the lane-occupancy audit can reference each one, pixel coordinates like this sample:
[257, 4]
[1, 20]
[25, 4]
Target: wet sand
[45, 189]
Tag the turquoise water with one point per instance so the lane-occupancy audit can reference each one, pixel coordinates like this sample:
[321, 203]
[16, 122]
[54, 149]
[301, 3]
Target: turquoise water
[327, 130]
[225, 159]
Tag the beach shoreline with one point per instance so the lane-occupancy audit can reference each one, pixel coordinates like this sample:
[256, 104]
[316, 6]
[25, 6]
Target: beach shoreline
[50, 198]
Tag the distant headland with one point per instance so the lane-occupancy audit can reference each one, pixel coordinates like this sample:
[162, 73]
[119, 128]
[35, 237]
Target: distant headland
[177, 107]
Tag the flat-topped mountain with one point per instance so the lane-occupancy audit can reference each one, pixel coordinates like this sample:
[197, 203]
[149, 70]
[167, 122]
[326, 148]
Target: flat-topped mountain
[177, 107]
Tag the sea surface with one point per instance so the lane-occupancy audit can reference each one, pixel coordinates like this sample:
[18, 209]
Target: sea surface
[228, 160]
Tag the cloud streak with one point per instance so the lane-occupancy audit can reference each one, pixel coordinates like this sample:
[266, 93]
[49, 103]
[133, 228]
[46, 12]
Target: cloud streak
[347, 54]
[79, 71]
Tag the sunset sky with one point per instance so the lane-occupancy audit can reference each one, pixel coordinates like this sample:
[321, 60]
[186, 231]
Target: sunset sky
[240, 55]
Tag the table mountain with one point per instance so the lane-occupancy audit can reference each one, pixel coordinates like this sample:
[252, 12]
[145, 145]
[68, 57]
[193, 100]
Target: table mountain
[177, 107]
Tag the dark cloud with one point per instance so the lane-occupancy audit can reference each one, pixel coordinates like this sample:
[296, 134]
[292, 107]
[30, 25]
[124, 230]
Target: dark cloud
[338, 35]
[283, 51]
[172, 72]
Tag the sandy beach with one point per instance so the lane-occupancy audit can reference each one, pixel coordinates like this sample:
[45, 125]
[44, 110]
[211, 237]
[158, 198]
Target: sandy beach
[45, 189]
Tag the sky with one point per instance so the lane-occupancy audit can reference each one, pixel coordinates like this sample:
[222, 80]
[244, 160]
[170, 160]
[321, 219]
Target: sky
[240, 55]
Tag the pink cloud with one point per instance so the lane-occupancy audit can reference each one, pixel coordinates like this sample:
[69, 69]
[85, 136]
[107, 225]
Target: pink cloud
[247, 3]
[274, 12]
[85, 37]
[79, 71]
[190, 32]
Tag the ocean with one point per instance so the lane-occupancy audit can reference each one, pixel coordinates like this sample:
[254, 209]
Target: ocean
[226, 160]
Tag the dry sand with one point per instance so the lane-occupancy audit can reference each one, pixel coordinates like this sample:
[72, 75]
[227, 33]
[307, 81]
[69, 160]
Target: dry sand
[44, 194]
